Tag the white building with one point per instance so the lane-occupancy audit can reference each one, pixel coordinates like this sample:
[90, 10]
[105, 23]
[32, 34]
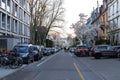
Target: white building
[14, 22]
[15, 19]
[114, 21]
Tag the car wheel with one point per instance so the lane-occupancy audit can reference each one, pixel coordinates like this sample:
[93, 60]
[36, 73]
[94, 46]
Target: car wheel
[28, 61]
[32, 60]
[118, 55]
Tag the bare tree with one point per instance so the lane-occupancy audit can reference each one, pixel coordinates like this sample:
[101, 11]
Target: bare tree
[44, 15]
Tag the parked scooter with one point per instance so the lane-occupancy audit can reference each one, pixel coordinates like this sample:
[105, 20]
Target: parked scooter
[12, 60]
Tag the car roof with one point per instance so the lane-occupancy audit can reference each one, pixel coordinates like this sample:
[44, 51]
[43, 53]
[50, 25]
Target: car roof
[117, 46]
[103, 45]
[24, 45]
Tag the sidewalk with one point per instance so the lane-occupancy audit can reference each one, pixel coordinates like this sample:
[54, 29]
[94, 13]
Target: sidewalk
[4, 71]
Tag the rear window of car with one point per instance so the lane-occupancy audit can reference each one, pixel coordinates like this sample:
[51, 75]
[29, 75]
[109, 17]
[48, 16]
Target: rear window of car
[104, 47]
[81, 47]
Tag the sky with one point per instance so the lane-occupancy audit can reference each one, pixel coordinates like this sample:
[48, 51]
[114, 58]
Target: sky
[74, 7]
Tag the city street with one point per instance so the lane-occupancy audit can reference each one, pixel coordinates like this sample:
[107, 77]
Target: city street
[59, 39]
[66, 66]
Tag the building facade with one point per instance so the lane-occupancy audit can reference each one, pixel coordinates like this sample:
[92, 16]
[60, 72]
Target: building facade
[98, 24]
[104, 20]
[114, 21]
[15, 19]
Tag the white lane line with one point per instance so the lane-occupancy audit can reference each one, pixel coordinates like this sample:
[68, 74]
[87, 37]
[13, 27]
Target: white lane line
[46, 60]
[70, 54]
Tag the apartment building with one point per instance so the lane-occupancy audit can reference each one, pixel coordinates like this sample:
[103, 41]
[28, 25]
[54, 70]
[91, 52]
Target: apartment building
[98, 24]
[114, 21]
[103, 20]
[15, 20]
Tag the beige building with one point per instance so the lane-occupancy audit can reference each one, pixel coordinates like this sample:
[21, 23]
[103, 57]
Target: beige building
[104, 20]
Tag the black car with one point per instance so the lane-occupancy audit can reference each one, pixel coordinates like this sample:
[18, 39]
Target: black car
[103, 51]
[37, 52]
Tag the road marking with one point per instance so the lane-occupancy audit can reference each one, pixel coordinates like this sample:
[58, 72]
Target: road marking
[46, 60]
[79, 72]
[70, 54]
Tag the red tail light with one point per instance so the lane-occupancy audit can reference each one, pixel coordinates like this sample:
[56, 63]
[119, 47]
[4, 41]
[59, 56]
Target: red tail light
[93, 51]
[85, 49]
[80, 49]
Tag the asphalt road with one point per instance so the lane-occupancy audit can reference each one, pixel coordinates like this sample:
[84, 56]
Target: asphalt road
[65, 66]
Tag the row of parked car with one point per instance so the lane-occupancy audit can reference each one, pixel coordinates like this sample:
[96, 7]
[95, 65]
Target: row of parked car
[30, 52]
[97, 51]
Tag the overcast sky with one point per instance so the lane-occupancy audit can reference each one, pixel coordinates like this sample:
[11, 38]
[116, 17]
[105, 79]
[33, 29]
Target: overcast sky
[74, 7]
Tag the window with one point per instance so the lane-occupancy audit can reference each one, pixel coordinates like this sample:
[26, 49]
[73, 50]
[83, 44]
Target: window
[8, 23]
[28, 7]
[105, 4]
[20, 28]
[15, 26]
[108, 12]
[16, 10]
[12, 24]
[28, 31]
[24, 4]
[0, 19]
[13, 8]
[115, 23]
[8, 5]
[111, 25]
[3, 4]
[25, 16]
[118, 5]
[27, 19]
[115, 7]
[111, 10]
[20, 13]
[23, 28]
[119, 22]
[3, 20]
[0, 2]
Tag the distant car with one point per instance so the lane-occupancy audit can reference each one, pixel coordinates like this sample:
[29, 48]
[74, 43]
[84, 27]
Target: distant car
[72, 50]
[81, 50]
[46, 52]
[117, 48]
[36, 51]
[103, 51]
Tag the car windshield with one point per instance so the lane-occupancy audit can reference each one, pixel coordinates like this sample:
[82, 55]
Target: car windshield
[22, 49]
[81, 47]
